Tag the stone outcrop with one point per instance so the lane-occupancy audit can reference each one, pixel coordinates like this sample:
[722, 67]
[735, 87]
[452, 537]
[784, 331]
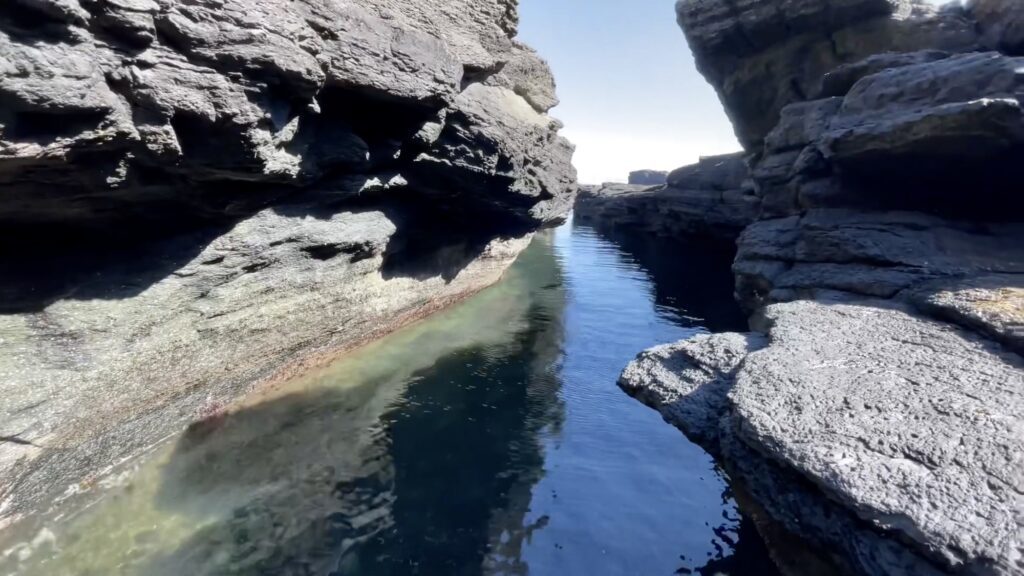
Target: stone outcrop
[1001, 24]
[648, 178]
[762, 56]
[713, 199]
[199, 197]
[875, 408]
[889, 440]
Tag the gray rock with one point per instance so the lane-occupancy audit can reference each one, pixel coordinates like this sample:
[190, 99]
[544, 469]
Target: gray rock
[97, 129]
[889, 439]
[198, 197]
[869, 253]
[710, 199]
[972, 109]
[528, 75]
[648, 178]
[913, 426]
[761, 56]
[799, 125]
[493, 140]
[689, 381]
[992, 304]
[1001, 23]
[884, 155]
[913, 132]
[723, 172]
[617, 205]
[137, 349]
[838, 82]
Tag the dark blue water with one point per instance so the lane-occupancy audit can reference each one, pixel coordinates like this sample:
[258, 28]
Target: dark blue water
[490, 439]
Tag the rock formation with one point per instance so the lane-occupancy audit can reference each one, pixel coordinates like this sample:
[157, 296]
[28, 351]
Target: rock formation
[199, 196]
[876, 408]
[711, 199]
[648, 178]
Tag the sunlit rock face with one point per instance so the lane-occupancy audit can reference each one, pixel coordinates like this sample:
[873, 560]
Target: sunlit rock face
[761, 56]
[875, 408]
[196, 196]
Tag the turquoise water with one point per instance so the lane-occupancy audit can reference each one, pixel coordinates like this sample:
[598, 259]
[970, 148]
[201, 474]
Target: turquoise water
[489, 439]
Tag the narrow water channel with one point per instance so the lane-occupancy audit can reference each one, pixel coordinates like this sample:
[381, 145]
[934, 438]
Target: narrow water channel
[489, 439]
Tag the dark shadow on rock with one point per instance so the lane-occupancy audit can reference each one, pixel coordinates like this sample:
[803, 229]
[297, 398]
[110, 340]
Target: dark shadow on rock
[39, 267]
[960, 186]
[21, 21]
[391, 476]
[692, 278]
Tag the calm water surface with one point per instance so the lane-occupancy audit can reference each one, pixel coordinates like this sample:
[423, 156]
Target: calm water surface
[490, 439]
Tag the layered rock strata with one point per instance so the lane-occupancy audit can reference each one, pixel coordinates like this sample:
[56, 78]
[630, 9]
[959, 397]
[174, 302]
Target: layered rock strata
[875, 409]
[889, 441]
[201, 196]
[713, 199]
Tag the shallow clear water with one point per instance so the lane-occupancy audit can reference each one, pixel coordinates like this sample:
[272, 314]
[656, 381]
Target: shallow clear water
[489, 439]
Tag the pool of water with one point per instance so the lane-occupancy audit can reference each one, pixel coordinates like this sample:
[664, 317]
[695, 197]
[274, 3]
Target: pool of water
[489, 439]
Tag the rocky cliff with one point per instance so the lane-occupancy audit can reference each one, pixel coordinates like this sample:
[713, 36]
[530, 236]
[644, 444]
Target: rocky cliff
[876, 408]
[199, 196]
[647, 177]
[713, 199]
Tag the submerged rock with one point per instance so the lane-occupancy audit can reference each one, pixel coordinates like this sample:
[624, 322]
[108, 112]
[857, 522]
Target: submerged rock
[199, 197]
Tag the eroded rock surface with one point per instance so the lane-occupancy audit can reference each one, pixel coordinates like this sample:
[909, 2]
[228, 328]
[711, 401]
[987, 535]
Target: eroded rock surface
[200, 196]
[903, 427]
[875, 411]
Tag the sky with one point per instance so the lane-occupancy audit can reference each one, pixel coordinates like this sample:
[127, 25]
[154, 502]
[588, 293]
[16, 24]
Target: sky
[631, 95]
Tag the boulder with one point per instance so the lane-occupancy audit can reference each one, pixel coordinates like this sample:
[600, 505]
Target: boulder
[1001, 23]
[891, 440]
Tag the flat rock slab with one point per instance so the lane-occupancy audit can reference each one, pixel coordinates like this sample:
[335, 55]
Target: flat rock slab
[915, 426]
[688, 382]
[992, 304]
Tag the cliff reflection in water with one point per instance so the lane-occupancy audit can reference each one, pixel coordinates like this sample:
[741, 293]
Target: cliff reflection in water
[488, 439]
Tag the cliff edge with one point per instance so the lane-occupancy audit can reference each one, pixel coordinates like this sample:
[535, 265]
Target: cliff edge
[876, 408]
[201, 196]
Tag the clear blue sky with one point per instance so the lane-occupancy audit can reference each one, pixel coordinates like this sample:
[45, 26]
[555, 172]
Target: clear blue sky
[631, 97]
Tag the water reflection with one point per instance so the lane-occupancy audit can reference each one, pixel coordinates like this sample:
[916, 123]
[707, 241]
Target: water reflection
[490, 439]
